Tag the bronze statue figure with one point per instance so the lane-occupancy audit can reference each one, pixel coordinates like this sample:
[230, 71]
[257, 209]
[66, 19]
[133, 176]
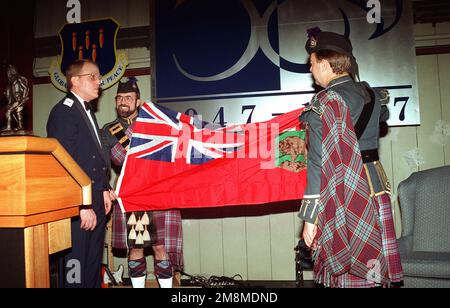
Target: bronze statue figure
[17, 95]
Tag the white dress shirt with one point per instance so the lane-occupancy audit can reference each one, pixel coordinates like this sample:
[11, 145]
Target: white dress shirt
[88, 112]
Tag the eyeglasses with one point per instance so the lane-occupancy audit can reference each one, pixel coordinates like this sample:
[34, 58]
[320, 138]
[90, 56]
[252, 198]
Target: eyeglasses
[127, 99]
[92, 76]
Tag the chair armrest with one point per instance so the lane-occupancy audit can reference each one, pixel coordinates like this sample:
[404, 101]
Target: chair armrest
[405, 245]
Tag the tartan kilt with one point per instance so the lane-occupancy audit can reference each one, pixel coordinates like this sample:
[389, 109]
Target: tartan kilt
[345, 280]
[119, 229]
[169, 232]
[390, 246]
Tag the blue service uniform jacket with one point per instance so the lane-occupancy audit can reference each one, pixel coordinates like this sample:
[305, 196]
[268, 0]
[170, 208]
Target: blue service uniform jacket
[70, 125]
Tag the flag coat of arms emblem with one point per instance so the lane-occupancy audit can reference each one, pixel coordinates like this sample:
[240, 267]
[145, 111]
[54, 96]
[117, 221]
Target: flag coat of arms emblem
[94, 40]
[177, 161]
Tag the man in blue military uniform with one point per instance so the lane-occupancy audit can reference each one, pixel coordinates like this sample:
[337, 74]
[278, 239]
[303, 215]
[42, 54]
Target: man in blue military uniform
[73, 123]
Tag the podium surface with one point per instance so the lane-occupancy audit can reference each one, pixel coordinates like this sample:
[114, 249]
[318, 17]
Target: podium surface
[41, 188]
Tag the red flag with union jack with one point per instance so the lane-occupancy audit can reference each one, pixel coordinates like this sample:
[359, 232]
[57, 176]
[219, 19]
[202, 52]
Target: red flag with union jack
[177, 161]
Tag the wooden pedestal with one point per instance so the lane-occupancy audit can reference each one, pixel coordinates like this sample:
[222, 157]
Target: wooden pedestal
[41, 188]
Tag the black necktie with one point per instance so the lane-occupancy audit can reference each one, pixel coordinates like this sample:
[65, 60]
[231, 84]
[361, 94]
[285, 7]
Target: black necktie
[88, 106]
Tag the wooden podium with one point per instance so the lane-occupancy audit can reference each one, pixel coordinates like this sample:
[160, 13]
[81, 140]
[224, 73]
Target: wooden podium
[41, 188]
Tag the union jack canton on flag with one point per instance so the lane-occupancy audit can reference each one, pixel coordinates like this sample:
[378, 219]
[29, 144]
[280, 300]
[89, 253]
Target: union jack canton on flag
[165, 135]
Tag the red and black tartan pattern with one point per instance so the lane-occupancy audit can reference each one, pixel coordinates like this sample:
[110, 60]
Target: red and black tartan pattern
[119, 229]
[390, 245]
[345, 280]
[390, 251]
[349, 236]
[169, 232]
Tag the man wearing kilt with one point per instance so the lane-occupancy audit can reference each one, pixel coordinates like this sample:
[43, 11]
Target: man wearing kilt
[343, 195]
[138, 230]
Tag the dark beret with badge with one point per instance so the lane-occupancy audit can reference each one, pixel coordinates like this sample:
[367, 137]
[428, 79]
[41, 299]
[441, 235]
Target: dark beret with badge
[323, 40]
[128, 86]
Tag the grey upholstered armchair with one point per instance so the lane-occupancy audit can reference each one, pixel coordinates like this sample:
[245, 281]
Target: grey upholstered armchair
[425, 243]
